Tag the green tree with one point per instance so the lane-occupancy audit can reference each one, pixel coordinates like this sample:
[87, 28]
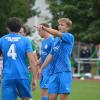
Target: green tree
[84, 15]
[15, 8]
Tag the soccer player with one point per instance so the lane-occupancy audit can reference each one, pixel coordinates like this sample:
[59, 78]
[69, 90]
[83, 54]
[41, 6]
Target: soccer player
[25, 32]
[15, 50]
[46, 46]
[61, 75]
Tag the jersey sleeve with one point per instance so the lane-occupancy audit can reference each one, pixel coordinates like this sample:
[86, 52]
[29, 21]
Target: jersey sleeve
[52, 42]
[67, 37]
[52, 51]
[29, 46]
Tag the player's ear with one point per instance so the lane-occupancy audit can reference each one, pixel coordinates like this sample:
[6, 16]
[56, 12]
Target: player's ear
[7, 29]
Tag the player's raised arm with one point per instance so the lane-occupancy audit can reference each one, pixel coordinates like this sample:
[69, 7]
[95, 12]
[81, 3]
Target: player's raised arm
[49, 30]
[52, 31]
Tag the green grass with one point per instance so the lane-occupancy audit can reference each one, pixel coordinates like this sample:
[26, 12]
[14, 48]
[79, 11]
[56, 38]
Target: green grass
[85, 90]
[81, 90]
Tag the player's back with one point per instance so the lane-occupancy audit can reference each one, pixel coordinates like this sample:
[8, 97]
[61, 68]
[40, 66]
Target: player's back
[14, 49]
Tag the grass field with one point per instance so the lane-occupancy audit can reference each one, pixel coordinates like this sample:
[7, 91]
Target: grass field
[81, 90]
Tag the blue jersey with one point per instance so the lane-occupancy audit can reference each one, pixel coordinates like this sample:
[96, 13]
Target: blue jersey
[61, 53]
[45, 50]
[14, 50]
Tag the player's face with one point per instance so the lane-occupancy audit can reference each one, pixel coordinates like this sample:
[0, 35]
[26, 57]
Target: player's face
[63, 27]
[41, 33]
[22, 32]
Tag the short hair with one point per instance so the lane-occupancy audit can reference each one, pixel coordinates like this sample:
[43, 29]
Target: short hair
[24, 29]
[14, 24]
[67, 20]
[45, 24]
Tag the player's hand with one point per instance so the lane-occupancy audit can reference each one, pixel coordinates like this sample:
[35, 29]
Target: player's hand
[37, 63]
[39, 27]
[39, 71]
[34, 84]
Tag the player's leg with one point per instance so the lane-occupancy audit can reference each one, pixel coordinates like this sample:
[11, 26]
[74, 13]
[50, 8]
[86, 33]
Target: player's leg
[53, 96]
[8, 90]
[24, 89]
[30, 79]
[53, 87]
[44, 80]
[44, 94]
[65, 82]
[63, 96]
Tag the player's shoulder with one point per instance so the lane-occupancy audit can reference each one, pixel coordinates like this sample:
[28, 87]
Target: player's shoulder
[24, 38]
[27, 40]
[69, 34]
[51, 38]
[3, 37]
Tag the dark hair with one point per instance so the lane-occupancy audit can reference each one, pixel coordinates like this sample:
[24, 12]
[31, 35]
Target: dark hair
[26, 30]
[14, 24]
[45, 24]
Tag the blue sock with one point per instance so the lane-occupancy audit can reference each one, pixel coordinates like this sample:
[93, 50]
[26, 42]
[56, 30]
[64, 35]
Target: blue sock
[45, 98]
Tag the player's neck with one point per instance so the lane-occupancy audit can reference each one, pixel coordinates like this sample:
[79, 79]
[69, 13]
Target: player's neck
[9, 31]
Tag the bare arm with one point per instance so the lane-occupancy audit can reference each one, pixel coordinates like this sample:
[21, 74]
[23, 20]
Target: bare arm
[52, 31]
[32, 64]
[47, 61]
[38, 62]
[49, 30]
[35, 56]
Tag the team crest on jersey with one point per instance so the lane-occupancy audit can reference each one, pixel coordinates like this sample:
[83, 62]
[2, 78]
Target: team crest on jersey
[46, 46]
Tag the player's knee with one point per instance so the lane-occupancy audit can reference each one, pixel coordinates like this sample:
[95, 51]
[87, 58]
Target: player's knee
[44, 92]
[53, 96]
[63, 97]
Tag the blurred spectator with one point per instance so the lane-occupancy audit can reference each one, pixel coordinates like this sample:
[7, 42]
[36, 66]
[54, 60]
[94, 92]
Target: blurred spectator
[74, 65]
[37, 39]
[98, 63]
[85, 53]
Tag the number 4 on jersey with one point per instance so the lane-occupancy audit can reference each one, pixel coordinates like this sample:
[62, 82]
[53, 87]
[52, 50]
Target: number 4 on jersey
[12, 52]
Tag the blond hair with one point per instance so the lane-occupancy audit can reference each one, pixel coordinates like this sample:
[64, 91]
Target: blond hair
[67, 20]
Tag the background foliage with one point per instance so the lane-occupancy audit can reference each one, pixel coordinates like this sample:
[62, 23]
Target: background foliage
[85, 15]
[12, 8]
